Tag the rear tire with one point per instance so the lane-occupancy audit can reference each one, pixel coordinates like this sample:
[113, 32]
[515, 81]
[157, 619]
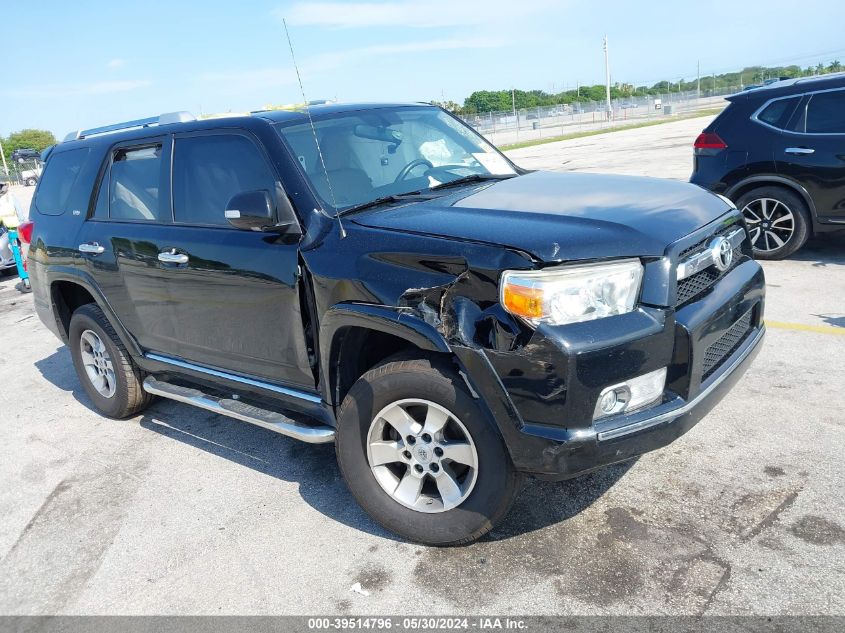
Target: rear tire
[104, 367]
[450, 502]
[778, 221]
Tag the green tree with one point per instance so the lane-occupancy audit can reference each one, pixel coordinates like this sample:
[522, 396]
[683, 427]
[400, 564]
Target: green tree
[29, 138]
[834, 66]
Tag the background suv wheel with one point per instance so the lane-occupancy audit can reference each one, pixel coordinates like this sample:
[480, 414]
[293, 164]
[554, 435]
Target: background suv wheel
[421, 456]
[778, 221]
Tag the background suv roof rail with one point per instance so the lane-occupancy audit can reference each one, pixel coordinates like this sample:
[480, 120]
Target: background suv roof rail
[162, 119]
[803, 80]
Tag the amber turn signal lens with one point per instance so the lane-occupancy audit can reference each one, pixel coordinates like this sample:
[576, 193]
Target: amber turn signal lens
[523, 301]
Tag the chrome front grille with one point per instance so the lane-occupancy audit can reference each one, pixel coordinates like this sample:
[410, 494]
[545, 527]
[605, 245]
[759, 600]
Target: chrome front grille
[703, 264]
[699, 282]
[726, 345]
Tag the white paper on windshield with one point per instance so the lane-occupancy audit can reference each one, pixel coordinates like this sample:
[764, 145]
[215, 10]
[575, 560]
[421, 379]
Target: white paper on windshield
[436, 152]
[494, 163]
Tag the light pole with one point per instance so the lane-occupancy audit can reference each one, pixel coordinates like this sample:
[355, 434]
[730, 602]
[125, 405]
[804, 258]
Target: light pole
[698, 82]
[5, 167]
[607, 79]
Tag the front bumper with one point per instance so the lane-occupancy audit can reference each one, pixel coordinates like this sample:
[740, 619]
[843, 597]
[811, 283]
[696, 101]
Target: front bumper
[646, 431]
[552, 434]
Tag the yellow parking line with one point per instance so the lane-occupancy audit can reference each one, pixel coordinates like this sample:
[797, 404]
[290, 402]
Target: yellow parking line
[820, 329]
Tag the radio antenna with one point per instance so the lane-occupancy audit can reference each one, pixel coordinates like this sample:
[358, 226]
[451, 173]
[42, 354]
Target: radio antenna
[314, 132]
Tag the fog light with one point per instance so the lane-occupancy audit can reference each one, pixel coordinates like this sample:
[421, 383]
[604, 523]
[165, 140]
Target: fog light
[608, 401]
[631, 395]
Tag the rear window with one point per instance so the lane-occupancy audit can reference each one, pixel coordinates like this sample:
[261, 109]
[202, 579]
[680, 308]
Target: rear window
[57, 181]
[134, 184]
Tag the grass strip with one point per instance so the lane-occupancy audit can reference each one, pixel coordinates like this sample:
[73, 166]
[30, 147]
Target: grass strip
[618, 128]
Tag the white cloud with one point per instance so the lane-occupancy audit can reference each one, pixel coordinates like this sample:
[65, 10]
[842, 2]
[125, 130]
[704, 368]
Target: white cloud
[74, 90]
[116, 63]
[256, 79]
[348, 57]
[234, 81]
[410, 13]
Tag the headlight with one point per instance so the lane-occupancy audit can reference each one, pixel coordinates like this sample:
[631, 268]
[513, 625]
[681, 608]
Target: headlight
[569, 294]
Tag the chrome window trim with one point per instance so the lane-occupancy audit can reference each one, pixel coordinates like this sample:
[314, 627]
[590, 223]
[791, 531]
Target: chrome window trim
[285, 391]
[704, 259]
[758, 111]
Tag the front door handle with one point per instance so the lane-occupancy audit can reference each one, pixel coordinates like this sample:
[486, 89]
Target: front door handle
[172, 257]
[91, 248]
[799, 151]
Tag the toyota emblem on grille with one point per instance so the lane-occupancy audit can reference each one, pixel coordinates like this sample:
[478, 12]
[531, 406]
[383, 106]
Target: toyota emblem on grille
[722, 253]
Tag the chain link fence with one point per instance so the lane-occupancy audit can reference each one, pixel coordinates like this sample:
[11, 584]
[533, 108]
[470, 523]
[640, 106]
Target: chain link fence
[528, 124]
[24, 172]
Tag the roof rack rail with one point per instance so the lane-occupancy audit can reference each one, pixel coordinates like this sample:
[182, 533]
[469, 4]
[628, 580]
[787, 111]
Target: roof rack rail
[162, 119]
[802, 80]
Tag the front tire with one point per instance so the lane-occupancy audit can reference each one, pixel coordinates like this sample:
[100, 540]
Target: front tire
[778, 221]
[107, 373]
[421, 456]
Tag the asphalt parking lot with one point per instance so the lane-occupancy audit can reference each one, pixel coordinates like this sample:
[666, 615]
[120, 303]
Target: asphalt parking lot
[180, 511]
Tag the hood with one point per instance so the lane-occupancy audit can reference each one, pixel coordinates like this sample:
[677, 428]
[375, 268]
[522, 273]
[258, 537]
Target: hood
[562, 216]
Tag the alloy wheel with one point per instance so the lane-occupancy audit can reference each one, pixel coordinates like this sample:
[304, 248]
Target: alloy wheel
[422, 455]
[97, 363]
[770, 222]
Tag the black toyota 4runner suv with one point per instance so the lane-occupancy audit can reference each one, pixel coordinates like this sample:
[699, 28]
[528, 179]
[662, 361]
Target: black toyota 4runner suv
[380, 276]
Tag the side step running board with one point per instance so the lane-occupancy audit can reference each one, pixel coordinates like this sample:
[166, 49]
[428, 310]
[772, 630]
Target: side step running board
[317, 434]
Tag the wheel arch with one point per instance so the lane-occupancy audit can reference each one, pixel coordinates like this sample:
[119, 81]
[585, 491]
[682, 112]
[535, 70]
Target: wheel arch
[69, 289]
[753, 182]
[355, 337]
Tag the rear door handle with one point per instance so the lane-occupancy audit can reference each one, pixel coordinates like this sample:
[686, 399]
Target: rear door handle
[799, 151]
[91, 248]
[172, 257]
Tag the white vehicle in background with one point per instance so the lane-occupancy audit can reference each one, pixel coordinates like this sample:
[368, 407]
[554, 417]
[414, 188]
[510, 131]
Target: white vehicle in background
[658, 104]
[29, 177]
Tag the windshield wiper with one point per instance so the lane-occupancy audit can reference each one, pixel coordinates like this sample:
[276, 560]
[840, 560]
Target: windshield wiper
[396, 197]
[472, 178]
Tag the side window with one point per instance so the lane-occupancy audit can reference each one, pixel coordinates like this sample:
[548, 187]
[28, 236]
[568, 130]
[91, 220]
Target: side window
[826, 113]
[58, 179]
[777, 113]
[209, 170]
[134, 184]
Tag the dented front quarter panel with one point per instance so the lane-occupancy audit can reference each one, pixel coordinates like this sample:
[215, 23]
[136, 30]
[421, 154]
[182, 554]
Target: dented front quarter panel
[449, 290]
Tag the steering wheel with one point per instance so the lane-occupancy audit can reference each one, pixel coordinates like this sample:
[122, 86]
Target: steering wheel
[406, 170]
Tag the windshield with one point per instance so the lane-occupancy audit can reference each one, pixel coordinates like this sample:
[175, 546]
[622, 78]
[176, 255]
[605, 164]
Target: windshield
[371, 154]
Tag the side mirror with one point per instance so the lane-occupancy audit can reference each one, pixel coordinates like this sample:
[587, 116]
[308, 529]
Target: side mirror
[256, 211]
[251, 210]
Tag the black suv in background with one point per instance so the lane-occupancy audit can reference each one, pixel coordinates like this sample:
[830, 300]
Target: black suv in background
[778, 152]
[382, 277]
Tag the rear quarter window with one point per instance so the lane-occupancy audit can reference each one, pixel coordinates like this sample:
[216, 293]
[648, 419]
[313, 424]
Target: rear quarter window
[59, 176]
[777, 113]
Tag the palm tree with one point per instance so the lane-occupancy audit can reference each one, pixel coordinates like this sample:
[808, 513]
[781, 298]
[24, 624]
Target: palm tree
[820, 69]
[834, 66]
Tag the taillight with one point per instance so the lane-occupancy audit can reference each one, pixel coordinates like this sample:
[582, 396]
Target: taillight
[709, 143]
[25, 231]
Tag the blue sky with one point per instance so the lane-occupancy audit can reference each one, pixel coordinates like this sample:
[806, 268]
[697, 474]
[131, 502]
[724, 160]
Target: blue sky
[82, 64]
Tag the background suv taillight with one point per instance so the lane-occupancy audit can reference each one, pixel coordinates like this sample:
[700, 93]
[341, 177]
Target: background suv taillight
[25, 231]
[708, 144]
